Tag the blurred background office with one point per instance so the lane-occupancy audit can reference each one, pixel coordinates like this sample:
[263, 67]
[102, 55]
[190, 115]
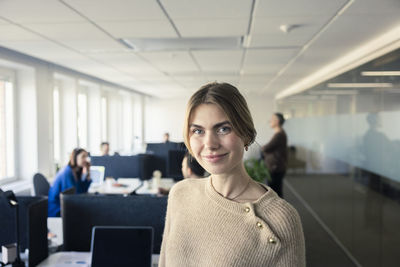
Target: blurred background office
[78, 73]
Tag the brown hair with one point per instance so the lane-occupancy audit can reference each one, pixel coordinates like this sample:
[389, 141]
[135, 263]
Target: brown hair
[76, 170]
[229, 99]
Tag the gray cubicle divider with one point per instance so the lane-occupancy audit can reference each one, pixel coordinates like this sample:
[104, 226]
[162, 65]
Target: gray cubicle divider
[32, 225]
[80, 213]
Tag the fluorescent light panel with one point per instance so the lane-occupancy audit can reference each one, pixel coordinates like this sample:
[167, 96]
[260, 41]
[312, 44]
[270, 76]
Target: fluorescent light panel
[334, 92]
[182, 44]
[380, 73]
[360, 85]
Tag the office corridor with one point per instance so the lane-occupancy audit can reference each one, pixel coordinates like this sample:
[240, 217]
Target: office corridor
[364, 222]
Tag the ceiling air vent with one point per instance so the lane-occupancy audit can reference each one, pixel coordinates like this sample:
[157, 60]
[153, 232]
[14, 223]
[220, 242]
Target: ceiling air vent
[182, 44]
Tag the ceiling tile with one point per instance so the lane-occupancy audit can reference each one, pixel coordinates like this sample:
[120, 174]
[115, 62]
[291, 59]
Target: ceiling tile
[69, 31]
[266, 61]
[139, 28]
[246, 79]
[45, 11]
[129, 63]
[219, 60]
[279, 8]
[84, 37]
[370, 7]
[171, 62]
[212, 27]
[118, 9]
[10, 32]
[193, 9]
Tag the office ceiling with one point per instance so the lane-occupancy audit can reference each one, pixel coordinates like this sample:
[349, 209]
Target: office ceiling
[86, 35]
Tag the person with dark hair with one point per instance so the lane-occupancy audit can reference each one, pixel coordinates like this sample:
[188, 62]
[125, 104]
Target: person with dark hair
[166, 137]
[226, 219]
[190, 169]
[75, 174]
[275, 153]
[105, 148]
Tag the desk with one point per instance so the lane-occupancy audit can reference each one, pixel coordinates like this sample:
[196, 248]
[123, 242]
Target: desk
[130, 184]
[77, 259]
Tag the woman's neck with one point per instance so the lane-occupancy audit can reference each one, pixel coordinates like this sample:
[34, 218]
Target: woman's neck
[229, 185]
[277, 129]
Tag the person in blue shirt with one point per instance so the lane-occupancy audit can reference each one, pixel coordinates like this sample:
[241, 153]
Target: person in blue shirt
[75, 174]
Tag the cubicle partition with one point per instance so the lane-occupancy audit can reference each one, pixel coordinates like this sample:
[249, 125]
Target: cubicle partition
[80, 213]
[168, 158]
[165, 157]
[32, 226]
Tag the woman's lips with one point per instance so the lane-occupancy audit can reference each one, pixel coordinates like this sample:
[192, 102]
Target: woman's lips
[214, 158]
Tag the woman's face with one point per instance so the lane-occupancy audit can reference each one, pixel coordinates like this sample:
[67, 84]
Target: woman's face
[214, 143]
[274, 121]
[81, 159]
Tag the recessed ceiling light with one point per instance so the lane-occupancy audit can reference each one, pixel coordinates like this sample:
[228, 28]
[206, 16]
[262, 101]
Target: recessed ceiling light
[359, 85]
[380, 73]
[334, 92]
[182, 44]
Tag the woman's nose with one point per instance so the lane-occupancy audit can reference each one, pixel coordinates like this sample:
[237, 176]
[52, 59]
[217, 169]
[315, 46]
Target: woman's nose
[211, 141]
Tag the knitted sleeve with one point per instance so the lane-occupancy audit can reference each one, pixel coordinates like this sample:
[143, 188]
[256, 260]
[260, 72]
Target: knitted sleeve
[294, 252]
[162, 262]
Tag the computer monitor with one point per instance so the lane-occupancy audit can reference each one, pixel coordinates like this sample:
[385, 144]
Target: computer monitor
[97, 174]
[121, 246]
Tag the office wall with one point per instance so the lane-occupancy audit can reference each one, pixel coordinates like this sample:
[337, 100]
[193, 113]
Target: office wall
[35, 80]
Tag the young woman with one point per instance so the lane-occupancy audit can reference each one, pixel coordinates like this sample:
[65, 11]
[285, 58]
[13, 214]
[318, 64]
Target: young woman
[226, 219]
[75, 174]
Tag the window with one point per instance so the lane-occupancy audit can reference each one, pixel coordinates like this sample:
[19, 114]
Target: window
[56, 125]
[104, 135]
[82, 120]
[7, 145]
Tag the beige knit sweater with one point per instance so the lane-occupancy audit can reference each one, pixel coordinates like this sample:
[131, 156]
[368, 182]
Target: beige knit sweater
[204, 229]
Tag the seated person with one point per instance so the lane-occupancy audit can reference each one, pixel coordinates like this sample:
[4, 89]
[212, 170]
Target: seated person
[105, 149]
[190, 169]
[75, 174]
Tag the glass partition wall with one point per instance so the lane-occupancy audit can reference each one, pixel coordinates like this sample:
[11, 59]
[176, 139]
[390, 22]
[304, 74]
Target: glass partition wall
[347, 131]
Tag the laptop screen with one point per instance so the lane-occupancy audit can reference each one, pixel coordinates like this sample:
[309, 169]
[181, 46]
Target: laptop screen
[97, 174]
[121, 246]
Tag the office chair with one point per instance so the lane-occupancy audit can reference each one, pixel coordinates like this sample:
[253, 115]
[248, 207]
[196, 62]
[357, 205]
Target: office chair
[40, 185]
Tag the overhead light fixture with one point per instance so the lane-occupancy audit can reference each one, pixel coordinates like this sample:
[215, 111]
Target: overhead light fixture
[380, 73]
[286, 28]
[377, 47]
[182, 44]
[334, 92]
[360, 85]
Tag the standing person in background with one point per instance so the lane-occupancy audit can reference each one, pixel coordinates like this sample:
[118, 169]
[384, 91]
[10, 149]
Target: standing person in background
[105, 149]
[275, 153]
[75, 174]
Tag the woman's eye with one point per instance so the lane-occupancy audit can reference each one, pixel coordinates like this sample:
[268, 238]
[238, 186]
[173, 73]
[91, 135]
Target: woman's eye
[197, 131]
[224, 130]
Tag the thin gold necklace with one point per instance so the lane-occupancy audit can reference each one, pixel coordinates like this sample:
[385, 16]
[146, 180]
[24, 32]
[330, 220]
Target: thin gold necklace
[233, 198]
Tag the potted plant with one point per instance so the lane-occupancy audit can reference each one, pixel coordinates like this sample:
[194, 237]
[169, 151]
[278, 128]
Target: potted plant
[257, 170]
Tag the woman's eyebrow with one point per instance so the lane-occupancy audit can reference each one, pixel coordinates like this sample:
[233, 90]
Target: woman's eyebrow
[195, 126]
[219, 124]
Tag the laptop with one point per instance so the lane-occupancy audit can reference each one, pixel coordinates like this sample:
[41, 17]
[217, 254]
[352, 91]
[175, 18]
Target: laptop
[122, 246]
[97, 175]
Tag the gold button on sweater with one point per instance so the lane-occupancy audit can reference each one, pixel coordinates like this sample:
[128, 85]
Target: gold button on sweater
[204, 229]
